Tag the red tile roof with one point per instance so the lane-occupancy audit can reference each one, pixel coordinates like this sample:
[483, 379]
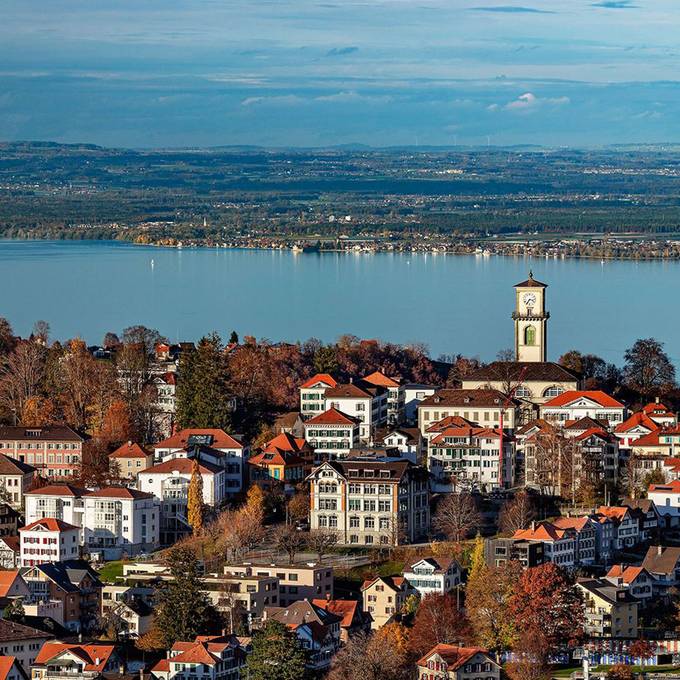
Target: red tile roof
[345, 609]
[285, 458]
[671, 487]
[285, 442]
[545, 531]
[6, 663]
[455, 656]
[577, 523]
[613, 511]
[450, 421]
[61, 490]
[651, 439]
[119, 492]
[627, 573]
[88, 653]
[320, 378]
[638, 419]
[180, 440]
[182, 465]
[7, 579]
[49, 523]
[129, 450]
[380, 379]
[598, 396]
[332, 417]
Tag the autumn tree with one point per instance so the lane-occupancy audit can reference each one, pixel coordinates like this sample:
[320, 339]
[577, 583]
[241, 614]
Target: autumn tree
[320, 541]
[457, 516]
[41, 332]
[289, 540]
[642, 649]
[195, 508]
[551, 461]
[277, 654]
[96, 469]
[21, 377]
[620, 671]
[116, 427]
[325, 360]
[517, 513]
[545, 600]
[203, 393]
[145, 337]
[298, 505]
[182, 611]
[648, 369]
[38, 411]
[7, 339]
[531, 657]
[438, 620]
[369, 657]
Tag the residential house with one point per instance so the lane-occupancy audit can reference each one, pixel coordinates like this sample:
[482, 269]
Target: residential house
[59, 501]
[12, 585]
[9, 520]
[429, 575]
[317, 629]
[54, 450]
[10, 669]
[647, 514]
[484, 407]
[396, 397]
[313, 394]
[454, 662]
[585, 535]
[48, 540]
[9, 552]
[332, 434]
[384, 598]
[627, 526]
[296, 581]
[666, 499]
[606, 537]
[58, 660]
[610, 610]
[577, 404]
[637, 425]
[534, 381]
[16, 478]
[597, 457]
[22, 642]
[663, 563]
[371, 501]
[215, 446]
[407, 440]
[499, 551]
[559, 545]
[363, 401]
[353, 620]
[637, 579]
[283, 460]
[660, 414]
[414, 393]
[290, 423]
[130, 459]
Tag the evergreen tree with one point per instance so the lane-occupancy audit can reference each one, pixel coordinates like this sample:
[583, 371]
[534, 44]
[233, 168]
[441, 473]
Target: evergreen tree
[276, 655]
[182, 610]
[195, 498]
[203, 394]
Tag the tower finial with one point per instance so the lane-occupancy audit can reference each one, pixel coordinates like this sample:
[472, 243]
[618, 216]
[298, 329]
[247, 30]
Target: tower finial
[531, 274]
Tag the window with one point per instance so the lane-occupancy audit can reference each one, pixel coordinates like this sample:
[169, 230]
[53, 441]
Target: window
[530, 335]
[553, 391]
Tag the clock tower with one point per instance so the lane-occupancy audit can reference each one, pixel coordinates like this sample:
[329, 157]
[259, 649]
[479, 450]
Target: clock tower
[531, 320]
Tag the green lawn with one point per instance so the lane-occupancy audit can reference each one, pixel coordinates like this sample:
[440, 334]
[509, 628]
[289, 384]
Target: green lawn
[109, 571]
[566, 672]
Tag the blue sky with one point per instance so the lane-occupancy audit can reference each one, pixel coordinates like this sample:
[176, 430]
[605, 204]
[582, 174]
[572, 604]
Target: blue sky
[324, 72]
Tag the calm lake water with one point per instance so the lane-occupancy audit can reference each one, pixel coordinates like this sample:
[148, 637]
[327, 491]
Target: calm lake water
[451, 303]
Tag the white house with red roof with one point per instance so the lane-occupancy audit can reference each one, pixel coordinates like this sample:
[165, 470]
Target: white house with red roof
[76, 661]
[211, 445]
[559, 545]
[61, 501]
[396, 396]
[284, 459]
[453, 662]
[666, 498]
[332, 434]
[637, 425]
[660, 414]
[626, 524]
[130, 459]
[637, 579]
[361, 400]
[48, 540]
[577, 404]
[313, 394]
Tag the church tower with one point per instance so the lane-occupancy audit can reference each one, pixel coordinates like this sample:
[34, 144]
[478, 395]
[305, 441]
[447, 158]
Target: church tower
[531, 321]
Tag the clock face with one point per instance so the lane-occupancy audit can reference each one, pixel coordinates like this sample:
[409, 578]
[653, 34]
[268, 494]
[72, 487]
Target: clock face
[529, 299]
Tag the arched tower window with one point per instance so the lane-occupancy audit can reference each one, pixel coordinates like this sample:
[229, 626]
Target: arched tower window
[530, 335]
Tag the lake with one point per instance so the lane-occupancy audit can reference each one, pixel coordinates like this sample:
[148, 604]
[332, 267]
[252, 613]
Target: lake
[451, 303]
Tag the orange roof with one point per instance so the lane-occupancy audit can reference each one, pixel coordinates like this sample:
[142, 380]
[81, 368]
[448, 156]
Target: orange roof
[472, 432]
[88, 653]
[324, 378]
[593, 431]
[332, 417]
[129, 450]
[673, 463]
[651, 439]
[627, 573]
[6, 663]
[266, 458]
[49, 523]
[182, 465]
[638, 419]
[545, 531]
[197, 653]
[454, 656]
[119, 492]
[577, 523]
[598, 396]
[380, 379]
[180, 440]
[658, 409]
[671, 487]
[60, 490]
[285, 442]
[345, 609]
[449, 421]
[7, 579]
[613, 511]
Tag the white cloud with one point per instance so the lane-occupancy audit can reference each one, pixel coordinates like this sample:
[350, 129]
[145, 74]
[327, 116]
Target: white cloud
[529, 102]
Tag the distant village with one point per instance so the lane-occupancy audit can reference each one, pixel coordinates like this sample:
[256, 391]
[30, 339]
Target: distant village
[517, 519]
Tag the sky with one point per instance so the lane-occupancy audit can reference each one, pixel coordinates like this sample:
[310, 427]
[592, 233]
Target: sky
[176, 73]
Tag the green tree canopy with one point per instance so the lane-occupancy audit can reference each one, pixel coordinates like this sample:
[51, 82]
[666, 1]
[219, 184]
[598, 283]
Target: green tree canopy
[277, 655]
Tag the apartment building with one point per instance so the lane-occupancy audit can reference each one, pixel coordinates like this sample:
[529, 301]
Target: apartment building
[585, 537]
[296, 582]
[396, 395]
[610, 610]
[363, 401]
[16, 478]
[384, 597]
[559, 545]
[332, 434]
[429, 575]
[130, 459]
[48, 540]
[577, 404]
[249, 591]
[22, 642]
[370, 501]
[60, 501]
[627, 526]
[313, 394]
[498, 551]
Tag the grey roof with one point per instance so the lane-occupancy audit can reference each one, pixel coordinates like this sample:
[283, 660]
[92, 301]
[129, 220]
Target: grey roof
[10, 631]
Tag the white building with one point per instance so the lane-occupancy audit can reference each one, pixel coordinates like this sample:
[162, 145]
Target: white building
[559, 545]
[16, 479]
[408, 441]
[434, 575]
[332, 434]
[48, 540]
[214, 446]
[577, 404]
[365, 402]
[666, 497]
[60, 501]
[396, 396]
[313, 394]
[414, 393]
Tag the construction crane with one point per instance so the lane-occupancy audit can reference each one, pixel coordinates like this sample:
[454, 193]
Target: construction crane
[508, 400]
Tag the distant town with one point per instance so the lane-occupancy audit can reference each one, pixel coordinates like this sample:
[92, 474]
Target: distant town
[231, 508]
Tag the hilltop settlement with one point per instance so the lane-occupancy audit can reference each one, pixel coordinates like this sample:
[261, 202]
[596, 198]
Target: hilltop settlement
[217, 511]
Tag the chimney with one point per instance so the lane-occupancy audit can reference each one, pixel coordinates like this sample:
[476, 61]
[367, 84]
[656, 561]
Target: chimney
[328, 597]
[96, 661]
[141, 673]
[659, 550]
[533, 525]
[656, 400]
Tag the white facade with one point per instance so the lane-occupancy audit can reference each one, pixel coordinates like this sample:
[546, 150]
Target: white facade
[434, 575]
[576, 405]
[59, 501]
[48, 540]
[413, 395]
[666, 497]
[369, 407]
[312, 395]
[332, 435]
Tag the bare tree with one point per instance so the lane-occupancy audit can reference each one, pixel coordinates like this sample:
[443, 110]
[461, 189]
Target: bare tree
[457, 516]
[517, 513]
[41, 332]
[21, 377]
[371, 658]
[321, 541]
[289, 540]
[550, 462]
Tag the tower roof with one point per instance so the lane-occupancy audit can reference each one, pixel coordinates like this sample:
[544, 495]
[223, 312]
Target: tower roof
[531, 282]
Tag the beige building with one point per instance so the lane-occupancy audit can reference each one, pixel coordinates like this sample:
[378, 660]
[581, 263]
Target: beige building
[531, 321]
[453, 662]
[296, 582]
[384, 597]
[481, 406]
[131, 459]
[610, 610]
[371, 502]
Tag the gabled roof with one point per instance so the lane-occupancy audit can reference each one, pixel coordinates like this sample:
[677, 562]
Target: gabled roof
[285, 442]
[46, 433]
[657, 409]
[11, 542]
[10, 631]
[49, 524]
[530, 283]
[651, 439]
[440, 564]
[11, 466]
[594, 432]
[285, 458]
[471, 433]
[637, 419]
[412, 434]
[180, 440]
[539, 425]
[350, 391]
[449, 421]
[7, 579]
[60, 490]
[181, 465]
[324, 378]
[65, 575]
[346, 610]
[6, 664]
[129, 450]
[585, 423]
[617, 513]
[570, 396]
[197, 653]
[378, 378]
[605, 590]
[89, 654]
[626, 572]
[661, 559]
[544, 531]
[395, 583]
[576, 523]
[119, 492]
[471, 398]
[332, 417]
[454, 656]
[670, 488]
[302, 611]
[529, 371]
